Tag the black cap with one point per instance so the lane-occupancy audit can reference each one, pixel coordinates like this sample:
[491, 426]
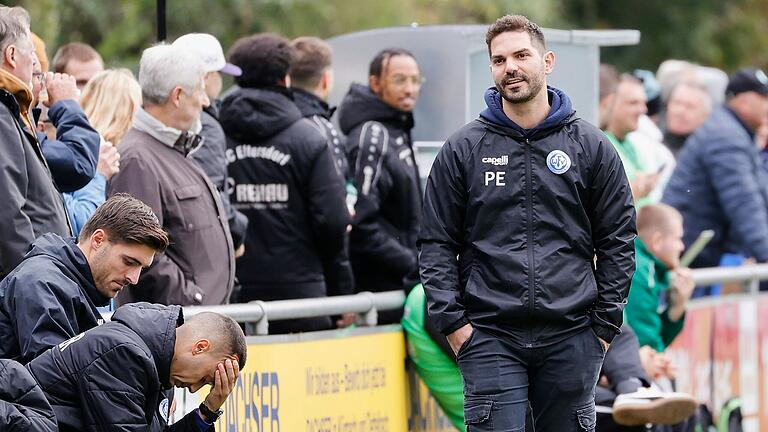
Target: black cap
[747, 80]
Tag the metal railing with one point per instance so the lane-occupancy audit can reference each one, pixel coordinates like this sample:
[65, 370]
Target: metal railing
[749, 275]
[367, 304]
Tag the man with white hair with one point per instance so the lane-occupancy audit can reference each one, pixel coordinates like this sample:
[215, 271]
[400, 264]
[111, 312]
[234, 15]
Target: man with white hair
[689, 105]
[198, 267]
[31, 203]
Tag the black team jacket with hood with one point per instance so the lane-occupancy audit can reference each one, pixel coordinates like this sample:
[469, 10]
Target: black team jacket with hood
[338, 270]
[49, 298]
[285, 183]
[114, 377]
[513, 220]
[23, 406]
[380, 152]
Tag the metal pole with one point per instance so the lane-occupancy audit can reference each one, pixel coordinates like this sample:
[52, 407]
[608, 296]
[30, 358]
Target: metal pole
[161, 24]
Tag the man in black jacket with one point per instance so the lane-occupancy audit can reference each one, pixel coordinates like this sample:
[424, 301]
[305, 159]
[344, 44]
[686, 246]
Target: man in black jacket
[53, 294]
[283, 179]
[115, 376]
[378, 120]
[311, 81]
[23, 406]
[526, 247]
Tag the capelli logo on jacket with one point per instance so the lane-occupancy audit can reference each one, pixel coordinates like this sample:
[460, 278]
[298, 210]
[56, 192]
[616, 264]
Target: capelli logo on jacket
[501, 160]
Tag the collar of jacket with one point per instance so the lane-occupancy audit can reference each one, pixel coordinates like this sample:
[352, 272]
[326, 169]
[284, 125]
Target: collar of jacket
[561, 113]
[21, 94]
[309, 104]
[642, 249]
[182, 141]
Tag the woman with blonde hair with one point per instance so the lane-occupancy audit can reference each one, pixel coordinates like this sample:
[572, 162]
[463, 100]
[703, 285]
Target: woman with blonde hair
[109, 100]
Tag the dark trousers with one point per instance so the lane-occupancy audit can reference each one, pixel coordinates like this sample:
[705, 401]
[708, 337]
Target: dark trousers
[500, 379]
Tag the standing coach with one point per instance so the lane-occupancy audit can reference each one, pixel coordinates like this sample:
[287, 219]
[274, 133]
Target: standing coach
[526, 247]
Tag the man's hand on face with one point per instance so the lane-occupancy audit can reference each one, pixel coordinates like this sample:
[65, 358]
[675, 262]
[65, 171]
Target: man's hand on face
[60, 87]
[457, 338]
[225, 379]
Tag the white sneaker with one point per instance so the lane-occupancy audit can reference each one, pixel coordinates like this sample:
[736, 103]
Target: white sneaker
[649, 405]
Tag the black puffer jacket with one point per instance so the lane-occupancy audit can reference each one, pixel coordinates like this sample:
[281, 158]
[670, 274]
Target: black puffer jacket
[23, 406]
[114, 377]
[49, 298]
[512, 221]
[380, 152]
[284, 181]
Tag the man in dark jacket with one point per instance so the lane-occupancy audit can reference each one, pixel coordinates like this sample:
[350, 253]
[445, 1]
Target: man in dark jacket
[53, 294]
[283, 180]
[32, 205]
[23, 406]
[115, 376]
[211, 154]
[311, 81]
[155, 167]
[718, 182]
[526, 247]
[378, 120]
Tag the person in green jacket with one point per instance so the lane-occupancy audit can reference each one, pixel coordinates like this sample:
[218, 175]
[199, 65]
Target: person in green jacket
[657, 253]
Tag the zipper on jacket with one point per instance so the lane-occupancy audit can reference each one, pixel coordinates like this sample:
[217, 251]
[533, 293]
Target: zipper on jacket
[529, 228]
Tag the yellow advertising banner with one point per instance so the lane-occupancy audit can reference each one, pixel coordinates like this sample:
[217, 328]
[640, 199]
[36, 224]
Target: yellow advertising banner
[353, 383]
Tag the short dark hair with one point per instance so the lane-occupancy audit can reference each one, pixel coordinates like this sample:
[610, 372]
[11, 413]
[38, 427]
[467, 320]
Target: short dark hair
[516, 23]
[73, 51]
[264, 58]
[311, 57]
[125, 219]
[380, 61]
[222, 328]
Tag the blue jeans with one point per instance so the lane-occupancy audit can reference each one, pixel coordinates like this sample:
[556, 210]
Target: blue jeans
[501, 379]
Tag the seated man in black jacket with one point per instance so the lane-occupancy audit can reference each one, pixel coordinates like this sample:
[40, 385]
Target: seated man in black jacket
[115, 377]
[53, 294]
[283, 179]
[23, 406]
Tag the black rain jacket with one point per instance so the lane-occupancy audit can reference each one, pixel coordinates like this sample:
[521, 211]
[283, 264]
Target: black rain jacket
[283, 180]
[23, 406]
[338, 270]
[114, 377]
[380, 152]
[512, 222]
[49, 298]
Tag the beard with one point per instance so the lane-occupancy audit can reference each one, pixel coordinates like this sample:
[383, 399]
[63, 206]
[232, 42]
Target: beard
[523, 93]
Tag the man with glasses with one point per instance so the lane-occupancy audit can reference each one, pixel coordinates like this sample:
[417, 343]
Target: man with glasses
[31, 204]
[378, 119]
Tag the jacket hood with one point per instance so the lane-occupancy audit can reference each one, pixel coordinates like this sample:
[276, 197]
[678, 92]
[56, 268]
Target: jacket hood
[560, 112]
[156, 326]
[311, 105]
[71, 259]
[254, 114]
[361, 105]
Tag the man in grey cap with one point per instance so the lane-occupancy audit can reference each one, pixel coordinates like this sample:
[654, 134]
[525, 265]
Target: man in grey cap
[210, 155]
[719, 182]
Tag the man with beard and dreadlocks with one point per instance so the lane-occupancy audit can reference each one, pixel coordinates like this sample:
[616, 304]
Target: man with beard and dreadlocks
[526, 247]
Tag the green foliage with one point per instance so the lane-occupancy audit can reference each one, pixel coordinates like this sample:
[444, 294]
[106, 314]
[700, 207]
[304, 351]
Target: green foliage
[712, 32]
